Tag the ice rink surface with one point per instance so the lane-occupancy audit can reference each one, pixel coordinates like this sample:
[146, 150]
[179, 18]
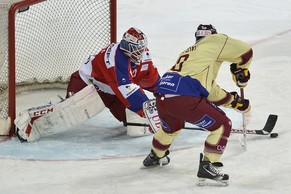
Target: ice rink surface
[97, 157]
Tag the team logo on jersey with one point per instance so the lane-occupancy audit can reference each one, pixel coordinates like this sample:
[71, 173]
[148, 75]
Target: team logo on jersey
[128, 89]
[165, 126]
[205, 122]
[144, 67]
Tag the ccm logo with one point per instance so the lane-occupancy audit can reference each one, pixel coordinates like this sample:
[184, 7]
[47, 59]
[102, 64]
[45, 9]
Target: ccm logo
[42, 112]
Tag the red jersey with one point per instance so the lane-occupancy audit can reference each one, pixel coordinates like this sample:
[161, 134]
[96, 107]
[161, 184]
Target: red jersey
[112, 72]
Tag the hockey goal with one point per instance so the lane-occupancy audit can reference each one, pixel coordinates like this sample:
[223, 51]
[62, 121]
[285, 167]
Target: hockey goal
[43, 41]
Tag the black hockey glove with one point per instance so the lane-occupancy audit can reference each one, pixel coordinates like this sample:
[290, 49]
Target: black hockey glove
[240, 76]
[239, 104]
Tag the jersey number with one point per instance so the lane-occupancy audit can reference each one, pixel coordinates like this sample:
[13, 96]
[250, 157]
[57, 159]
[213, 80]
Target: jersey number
[178, 66]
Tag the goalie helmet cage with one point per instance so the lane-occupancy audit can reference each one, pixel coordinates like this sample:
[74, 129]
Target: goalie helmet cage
[42, 42]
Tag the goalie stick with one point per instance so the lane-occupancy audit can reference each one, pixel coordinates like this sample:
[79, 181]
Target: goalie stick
[266, 130]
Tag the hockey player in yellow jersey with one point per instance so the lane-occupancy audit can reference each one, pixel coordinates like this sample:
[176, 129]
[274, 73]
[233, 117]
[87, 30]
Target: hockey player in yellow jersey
[188, 92]
[203, 60]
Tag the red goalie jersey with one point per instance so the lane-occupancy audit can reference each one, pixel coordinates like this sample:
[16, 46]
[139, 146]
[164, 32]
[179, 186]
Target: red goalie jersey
[118, 79]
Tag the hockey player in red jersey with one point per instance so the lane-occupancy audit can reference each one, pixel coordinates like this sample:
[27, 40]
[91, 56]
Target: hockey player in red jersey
[188, 92]
[120, 73]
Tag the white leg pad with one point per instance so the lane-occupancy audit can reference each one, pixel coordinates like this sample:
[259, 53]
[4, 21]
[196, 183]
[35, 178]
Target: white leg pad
[61, 116]
[136, 131]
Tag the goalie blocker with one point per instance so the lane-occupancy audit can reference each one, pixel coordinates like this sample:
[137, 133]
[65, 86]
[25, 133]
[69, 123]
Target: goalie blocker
[61, 116]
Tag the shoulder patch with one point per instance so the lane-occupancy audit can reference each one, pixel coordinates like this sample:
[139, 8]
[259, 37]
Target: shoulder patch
[144, 67]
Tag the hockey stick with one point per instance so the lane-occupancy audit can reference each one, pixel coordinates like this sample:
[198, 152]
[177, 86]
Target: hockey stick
[266, 130]
[244, 143]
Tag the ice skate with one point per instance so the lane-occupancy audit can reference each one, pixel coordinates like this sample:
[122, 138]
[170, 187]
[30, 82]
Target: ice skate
[152, 160]
[209, 174]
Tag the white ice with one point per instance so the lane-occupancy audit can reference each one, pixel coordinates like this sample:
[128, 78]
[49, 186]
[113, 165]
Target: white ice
[97, 157]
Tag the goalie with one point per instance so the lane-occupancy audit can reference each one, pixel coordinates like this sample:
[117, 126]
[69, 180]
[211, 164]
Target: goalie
[115, 78]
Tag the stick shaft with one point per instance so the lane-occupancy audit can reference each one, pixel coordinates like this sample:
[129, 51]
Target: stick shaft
[244, 122]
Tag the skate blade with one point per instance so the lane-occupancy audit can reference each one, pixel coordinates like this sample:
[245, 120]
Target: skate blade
[213, 183]
[150, 167]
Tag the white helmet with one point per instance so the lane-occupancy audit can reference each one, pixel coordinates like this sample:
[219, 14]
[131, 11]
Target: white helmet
[133, 44]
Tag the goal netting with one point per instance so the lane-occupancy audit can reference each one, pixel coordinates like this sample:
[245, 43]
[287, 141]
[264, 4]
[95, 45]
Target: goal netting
[42, 42]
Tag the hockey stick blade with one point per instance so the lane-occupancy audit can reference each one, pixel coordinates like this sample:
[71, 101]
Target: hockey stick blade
[269, 126]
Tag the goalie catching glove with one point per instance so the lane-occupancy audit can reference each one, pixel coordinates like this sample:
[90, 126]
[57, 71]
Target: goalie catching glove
[238, 103]
[240, 76]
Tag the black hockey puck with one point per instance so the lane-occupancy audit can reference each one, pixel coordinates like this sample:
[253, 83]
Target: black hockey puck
[274, 135]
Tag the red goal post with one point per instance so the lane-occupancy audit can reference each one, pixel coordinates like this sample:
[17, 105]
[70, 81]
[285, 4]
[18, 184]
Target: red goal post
[43, 41]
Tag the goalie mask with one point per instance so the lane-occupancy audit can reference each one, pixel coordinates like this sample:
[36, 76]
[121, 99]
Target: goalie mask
[133, 44]
[204, 30]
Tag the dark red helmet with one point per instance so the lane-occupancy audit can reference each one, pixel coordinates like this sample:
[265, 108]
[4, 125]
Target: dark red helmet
[204, 30]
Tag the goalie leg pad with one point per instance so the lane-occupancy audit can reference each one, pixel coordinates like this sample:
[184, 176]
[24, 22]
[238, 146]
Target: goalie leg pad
[50, 119]
[136, 131]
